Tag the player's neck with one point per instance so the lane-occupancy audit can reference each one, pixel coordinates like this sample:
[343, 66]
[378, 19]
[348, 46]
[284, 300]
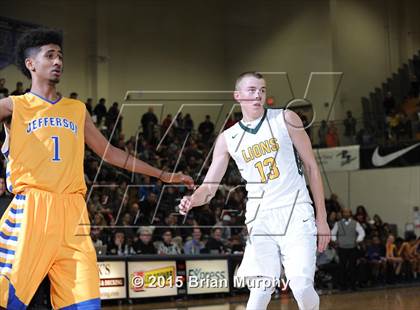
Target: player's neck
[251, 116]
[46, 91]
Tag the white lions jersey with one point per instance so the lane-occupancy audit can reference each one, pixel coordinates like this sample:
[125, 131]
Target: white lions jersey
[268, 161]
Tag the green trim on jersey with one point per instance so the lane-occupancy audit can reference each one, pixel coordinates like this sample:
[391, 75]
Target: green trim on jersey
[254, 130]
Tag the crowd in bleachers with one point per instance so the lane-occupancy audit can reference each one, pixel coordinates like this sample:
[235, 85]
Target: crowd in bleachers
[402, 119]
[135, 214]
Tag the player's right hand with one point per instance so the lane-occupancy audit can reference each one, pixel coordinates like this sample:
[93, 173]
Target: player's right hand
[185, 205]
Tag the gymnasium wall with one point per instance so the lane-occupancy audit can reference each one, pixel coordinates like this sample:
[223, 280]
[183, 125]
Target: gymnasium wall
[113, 46]
[391, 193]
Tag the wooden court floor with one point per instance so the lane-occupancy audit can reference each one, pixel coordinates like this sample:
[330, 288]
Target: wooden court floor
[384, 299]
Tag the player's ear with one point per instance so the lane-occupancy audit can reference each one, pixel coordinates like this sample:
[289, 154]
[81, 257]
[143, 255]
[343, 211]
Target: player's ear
[236, 95]
[29, 63]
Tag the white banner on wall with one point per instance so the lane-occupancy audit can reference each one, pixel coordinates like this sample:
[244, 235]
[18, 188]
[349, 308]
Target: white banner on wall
[152, 279]
[112, 280]
[342, 158]
[207, 276]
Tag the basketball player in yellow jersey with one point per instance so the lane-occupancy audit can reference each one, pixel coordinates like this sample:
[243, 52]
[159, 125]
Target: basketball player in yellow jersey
[45, 230]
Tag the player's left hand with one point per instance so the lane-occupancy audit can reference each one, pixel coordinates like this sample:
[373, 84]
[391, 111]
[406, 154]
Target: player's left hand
[324, 234]
[178, 177]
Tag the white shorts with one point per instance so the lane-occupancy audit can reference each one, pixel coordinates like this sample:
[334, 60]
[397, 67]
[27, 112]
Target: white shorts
[281, 237]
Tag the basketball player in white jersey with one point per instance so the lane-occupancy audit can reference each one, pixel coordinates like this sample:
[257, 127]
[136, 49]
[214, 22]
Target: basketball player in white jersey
[271, 148]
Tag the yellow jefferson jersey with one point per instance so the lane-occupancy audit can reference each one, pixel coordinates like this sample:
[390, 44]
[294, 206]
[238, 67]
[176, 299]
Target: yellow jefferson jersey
[46, 145]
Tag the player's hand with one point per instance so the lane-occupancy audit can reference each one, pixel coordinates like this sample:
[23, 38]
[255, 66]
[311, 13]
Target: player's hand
[178, 177]
[324, 234]
[185, 205]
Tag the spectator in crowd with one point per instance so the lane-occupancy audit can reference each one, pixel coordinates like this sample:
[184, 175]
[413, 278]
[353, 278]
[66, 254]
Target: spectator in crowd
[148, 122]
[362, 218]
[365, 137]
[95, 234]
[19, 89]
[394, 261]
[349, 129]
[215, 245]
[195, 245]
[167, 246]
[322, 134]
[112, 116]
[74, 95]
[333, 204]
[389, 103]
[4, 92]
[328, 267]
[118, 246]
[89, 106]
[375, 254]
[166, 123]
[206, 129]
[347, 234]
[332, 219]
[188, 123]
[414, 86]
[410, 255]
[144, 244]
[393, 120]
[332, 139]
[236, 245]
[100, 111]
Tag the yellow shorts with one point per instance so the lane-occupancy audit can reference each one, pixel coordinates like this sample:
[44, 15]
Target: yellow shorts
[43, 233]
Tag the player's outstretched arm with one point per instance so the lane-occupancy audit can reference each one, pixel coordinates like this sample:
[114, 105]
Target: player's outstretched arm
[119, 158]
[303, 145]
[6, 108]
[211, 182]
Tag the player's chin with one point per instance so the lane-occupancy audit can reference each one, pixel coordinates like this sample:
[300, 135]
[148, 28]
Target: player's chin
[54, 80]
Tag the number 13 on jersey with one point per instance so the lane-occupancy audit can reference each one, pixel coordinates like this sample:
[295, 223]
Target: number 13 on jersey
[274, 171]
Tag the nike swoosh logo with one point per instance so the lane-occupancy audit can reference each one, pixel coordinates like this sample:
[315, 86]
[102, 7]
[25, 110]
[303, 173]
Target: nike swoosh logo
[378, 160]
[305, 220]
[233, 137]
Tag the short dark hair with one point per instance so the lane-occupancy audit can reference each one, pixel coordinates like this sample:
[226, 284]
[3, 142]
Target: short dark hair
[254, 74]
[30, 43]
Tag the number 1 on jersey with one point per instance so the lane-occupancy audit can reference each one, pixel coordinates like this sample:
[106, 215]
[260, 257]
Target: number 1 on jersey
[56, 148]
[274, 171]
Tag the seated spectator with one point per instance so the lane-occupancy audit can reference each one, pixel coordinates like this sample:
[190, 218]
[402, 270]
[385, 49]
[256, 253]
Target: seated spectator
[328, 267]
[394, 261]
[4, 92]
[167, 246]
[375, 254]
[19, 89]
[215, 245]
[389, 103]
[195, 245]
[332, 139]
[144, 245]
[410, 255]
[118, 246]
[333, 204]
[236, 245]
[393, 123]
[332, 219]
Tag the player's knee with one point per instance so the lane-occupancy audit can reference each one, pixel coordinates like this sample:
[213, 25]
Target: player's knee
[304, 293]
[261, 289]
